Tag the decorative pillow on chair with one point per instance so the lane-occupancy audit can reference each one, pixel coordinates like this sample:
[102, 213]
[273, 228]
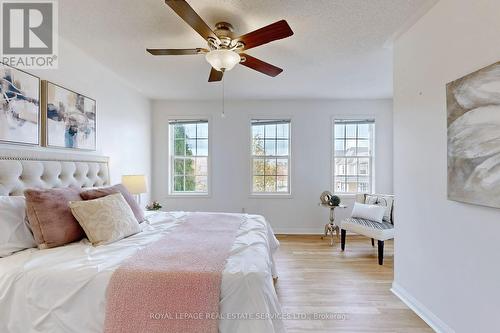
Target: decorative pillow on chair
[15, 234]
[119, 188]
[368, 212]
[105, 220]
[381, 200]
[50, 217]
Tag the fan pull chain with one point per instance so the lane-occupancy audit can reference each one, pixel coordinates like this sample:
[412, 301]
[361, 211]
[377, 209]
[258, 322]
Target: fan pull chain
[223, 114]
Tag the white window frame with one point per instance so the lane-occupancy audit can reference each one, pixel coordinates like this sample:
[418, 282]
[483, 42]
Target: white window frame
[372, 157]
[170, 182]
[271, 195]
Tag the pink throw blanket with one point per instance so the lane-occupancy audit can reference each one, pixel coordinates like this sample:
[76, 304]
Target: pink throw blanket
[173, 285]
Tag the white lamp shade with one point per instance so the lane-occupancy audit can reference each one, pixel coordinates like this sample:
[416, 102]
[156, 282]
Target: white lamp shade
[135, 184]
[223, 59]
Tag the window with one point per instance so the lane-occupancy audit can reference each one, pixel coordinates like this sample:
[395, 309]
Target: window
[353, 156]
[270, 156]
[188, 156]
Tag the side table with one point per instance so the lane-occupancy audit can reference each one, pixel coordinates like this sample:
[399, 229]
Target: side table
[331, 227]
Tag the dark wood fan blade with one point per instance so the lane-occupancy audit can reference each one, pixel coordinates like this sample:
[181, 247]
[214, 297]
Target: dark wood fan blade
[161, 52]
[272, 32]
[215, 75]
[184, 10]
[260, 66]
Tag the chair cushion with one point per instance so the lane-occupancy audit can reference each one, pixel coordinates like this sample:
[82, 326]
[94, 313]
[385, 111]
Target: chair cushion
[379, 231]
[369, 212]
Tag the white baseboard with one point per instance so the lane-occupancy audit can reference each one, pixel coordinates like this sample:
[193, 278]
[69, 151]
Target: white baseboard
[298, 231]
[302, 231]
[420, 310]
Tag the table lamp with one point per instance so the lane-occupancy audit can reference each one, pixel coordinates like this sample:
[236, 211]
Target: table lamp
[135, 184]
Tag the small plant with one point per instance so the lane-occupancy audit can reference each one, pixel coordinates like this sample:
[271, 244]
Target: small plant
[155, 205]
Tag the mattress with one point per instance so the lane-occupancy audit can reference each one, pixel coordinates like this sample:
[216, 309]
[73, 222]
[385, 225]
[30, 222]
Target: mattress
[63, 289]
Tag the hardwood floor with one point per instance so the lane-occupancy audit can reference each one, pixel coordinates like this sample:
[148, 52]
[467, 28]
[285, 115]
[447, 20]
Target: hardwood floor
[317, 278]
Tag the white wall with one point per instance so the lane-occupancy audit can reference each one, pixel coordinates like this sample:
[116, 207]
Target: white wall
[447, 253]
[311, 156]
[123, 115]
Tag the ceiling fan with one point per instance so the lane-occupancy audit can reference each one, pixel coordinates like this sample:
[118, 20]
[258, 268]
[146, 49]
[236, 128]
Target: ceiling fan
[224, 50]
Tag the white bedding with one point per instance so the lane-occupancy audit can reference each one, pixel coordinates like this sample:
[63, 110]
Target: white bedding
[63, 289]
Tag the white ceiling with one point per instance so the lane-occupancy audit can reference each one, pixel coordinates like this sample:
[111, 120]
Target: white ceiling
[337, 50]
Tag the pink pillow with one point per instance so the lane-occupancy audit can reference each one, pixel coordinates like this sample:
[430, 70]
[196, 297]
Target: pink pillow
[119, 188]
[50, 217]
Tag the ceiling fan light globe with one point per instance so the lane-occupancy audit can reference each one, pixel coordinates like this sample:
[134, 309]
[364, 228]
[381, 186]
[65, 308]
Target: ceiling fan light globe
[222, 60]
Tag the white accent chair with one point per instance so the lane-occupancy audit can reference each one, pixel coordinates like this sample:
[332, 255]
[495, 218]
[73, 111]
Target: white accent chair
[374, 230]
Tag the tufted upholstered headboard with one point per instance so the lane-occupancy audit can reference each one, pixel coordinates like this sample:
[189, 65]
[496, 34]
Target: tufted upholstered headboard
[22, 169]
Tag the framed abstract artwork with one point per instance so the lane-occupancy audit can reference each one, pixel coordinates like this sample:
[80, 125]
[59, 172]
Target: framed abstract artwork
[473, 114]
[19, 106]
[70, 118]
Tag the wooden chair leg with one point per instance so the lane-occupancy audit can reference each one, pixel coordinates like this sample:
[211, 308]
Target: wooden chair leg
[373, 242]
[342, 239]
[380, 252]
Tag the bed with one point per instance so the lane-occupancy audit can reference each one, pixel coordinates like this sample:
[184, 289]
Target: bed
[63, 289]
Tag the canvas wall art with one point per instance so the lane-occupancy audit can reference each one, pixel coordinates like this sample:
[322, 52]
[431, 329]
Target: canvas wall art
[19, 106]
[70, 119]
[473, 108]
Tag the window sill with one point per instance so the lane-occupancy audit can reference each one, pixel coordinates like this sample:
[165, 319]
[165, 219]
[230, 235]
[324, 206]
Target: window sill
[188, 195]
[346, 195]
[270, 196]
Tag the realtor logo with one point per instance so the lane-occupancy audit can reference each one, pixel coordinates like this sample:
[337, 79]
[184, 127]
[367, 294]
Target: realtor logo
[29, 33]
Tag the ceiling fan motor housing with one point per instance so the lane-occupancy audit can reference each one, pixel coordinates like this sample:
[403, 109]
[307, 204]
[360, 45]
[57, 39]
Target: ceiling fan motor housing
[224, 32]
[224, 29]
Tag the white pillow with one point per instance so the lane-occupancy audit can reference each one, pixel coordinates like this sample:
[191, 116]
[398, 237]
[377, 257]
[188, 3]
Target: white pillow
[368, 212]
[15, 234]
[381, 200]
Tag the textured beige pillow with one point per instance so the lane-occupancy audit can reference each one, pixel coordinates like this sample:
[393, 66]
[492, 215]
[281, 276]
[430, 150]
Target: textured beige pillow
[105, 220]
[119, 188]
